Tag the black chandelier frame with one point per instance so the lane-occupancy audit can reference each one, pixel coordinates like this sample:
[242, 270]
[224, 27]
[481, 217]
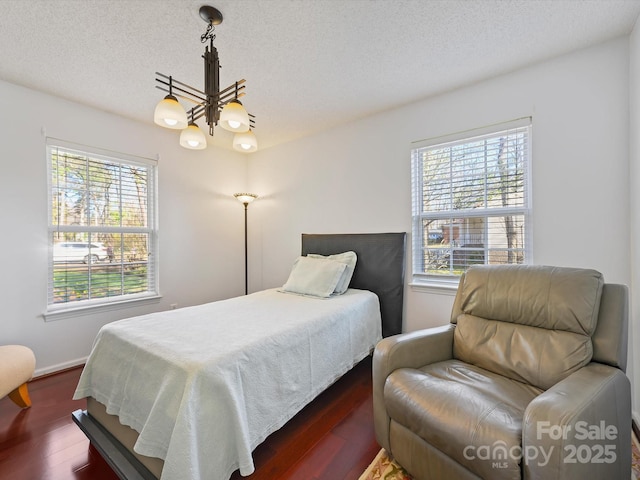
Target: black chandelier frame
[210, 102]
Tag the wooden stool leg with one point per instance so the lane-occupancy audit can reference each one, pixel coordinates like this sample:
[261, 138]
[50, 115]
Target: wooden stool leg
[20, 396]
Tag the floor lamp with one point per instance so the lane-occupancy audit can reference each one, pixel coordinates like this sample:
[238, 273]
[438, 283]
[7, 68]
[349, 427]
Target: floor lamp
[245, 199]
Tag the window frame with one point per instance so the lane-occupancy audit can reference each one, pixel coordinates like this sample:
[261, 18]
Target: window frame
[426, 280]
[57, 310]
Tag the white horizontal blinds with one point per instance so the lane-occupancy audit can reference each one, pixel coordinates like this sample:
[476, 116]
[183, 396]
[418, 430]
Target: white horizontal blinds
[101, 226]
[471, 201]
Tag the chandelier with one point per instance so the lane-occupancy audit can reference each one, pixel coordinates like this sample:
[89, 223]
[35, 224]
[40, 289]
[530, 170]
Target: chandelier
[215, 105]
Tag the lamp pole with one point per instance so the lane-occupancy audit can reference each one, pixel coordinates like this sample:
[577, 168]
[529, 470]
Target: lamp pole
[246, 248]
[246, 199]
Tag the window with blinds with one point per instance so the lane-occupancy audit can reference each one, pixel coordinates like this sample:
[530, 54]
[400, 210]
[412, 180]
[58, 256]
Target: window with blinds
[102, 233]
[471, 202]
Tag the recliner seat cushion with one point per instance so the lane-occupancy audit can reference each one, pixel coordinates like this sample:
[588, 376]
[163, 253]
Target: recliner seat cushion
[458, 407]
[532, 324]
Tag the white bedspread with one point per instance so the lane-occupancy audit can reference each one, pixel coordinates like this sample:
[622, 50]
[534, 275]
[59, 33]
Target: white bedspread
[204, 385]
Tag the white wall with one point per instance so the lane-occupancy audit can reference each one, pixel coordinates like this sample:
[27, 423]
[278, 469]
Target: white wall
[201, 248]
[357, 178]
[634, 179]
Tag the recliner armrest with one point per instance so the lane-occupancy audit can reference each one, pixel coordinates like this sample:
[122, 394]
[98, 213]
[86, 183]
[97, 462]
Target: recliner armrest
[580, 427]
[414, 349]
[407, 350]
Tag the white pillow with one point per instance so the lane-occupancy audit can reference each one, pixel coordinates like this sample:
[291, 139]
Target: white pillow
[316, 277]
[349, 259]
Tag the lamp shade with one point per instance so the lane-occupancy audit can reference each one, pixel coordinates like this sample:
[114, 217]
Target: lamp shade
[234, 117]
[170, 114]
[192, 137]
[245, 197]
[245, 142]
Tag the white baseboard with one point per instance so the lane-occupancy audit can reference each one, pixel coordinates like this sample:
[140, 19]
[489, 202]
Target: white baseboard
[61, 366]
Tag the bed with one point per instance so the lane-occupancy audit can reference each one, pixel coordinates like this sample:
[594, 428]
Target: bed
[196, 396]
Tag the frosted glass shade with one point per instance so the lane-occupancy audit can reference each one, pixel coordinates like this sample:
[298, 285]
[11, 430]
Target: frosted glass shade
[192, 137]
[234, 117]
[170, 114]
[245, 197]
[245, 142]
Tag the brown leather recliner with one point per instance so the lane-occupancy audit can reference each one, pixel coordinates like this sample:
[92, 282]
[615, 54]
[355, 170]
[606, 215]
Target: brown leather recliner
[527, 381]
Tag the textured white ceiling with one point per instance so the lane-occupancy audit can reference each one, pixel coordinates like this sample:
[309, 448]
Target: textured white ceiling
[309, 64]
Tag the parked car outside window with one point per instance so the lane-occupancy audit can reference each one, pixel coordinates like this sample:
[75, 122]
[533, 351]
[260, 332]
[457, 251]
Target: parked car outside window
[435, 237]
[79, 252]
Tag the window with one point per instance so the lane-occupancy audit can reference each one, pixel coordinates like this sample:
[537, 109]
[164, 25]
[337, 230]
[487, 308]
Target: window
[471, 201]
[102, 234]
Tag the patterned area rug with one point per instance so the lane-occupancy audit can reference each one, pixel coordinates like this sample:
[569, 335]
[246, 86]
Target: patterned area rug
[385, 468]
[635, 459]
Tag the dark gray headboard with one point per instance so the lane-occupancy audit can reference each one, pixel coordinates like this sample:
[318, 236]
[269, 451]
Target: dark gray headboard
[380, 267]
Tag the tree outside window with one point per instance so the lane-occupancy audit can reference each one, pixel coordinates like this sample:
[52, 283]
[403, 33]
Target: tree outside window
[471, 201]
[101, 226]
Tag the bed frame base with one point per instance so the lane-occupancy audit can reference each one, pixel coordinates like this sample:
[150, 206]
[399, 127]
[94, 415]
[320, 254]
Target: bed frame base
[123, 463]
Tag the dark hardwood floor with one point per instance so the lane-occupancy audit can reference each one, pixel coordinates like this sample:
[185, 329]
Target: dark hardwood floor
[331, 439]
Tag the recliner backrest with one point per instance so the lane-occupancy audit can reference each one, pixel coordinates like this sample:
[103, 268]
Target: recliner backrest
[610, 340]
[530, 323]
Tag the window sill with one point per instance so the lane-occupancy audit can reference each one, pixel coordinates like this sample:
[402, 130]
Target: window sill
[76, 311]
[437, 287]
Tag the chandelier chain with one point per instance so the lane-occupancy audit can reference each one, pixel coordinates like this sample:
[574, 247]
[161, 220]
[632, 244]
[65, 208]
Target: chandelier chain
[209, 34]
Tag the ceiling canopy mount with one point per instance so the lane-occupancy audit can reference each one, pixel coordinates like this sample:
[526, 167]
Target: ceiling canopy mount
[210, 14]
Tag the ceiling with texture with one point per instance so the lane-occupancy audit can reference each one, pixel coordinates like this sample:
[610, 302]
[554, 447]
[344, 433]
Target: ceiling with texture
[309, 64]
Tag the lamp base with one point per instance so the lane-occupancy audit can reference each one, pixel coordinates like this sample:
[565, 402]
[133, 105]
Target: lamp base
[210, 15]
